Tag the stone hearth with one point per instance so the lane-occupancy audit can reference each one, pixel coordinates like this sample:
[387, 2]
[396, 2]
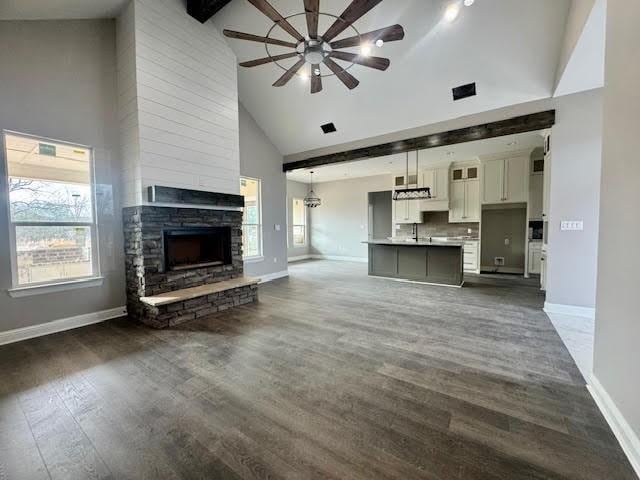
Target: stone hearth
[146, 276]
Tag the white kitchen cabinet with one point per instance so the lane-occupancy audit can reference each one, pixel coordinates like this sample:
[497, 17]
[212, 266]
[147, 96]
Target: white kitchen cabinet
[536, 197]
[493, 181]
[464, 202]
[546, 187]
[406, 211]
[472, 201]
[535, 257]
[505, 180]
[471, 255]
[438, 181]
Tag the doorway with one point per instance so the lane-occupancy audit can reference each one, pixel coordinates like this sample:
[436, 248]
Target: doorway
[380, 215]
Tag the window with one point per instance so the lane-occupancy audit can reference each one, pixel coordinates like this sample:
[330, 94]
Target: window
[52, 227]
[299, 223]
[251, 218]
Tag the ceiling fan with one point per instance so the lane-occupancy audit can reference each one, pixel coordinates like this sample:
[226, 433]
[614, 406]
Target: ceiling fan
[315, 50]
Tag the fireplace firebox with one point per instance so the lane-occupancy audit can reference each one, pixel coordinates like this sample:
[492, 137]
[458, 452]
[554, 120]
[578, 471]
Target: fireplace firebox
[196, 247]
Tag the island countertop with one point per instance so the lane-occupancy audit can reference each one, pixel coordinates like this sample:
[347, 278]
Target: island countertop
[419, 243]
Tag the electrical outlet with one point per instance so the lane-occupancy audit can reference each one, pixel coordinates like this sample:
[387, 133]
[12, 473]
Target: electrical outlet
[572, 225]
[498, 261]
[277, 227]
[507, 242]
[275, 260]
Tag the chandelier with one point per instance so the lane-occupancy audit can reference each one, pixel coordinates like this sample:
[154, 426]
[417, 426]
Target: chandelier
[312, 200]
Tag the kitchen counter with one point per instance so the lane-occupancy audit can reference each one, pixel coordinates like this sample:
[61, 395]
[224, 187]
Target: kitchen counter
[438, 262]
[419, 243]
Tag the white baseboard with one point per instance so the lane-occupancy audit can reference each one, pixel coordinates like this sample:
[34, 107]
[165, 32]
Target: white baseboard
[61, 325]
[572, 310]
[339, 258]
[299, 258]
[273, 276]
[622, 430]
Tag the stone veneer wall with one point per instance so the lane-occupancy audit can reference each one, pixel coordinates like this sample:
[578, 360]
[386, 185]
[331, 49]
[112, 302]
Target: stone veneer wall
[143, 231]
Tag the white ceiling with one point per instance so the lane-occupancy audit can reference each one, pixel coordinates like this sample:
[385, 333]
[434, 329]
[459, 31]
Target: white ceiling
[394, 164]
[58, 9]
[510, 48]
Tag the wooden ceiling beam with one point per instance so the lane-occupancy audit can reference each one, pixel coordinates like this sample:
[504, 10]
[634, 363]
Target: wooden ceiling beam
[511, 126]
[203, 10]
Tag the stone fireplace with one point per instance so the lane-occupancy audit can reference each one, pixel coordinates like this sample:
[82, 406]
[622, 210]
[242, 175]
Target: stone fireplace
[175, 249]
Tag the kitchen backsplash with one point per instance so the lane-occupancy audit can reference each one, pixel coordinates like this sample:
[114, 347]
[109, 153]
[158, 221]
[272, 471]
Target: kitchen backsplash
[436, 224]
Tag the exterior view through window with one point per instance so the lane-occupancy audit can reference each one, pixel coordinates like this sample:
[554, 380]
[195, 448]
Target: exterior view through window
[252, 218]
[51, 203]
[299, 225]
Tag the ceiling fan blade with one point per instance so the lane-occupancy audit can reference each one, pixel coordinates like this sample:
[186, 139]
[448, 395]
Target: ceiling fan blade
[265, 7]
[316, 80]
[289, 74]
[256, 38]
[311, 8]
[345, 77]
[352, 13]
[265, 60]
[388, 34]
[378, 63]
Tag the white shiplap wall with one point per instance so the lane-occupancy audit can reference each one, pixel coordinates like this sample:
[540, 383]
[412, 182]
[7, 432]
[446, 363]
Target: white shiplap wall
[183, 127]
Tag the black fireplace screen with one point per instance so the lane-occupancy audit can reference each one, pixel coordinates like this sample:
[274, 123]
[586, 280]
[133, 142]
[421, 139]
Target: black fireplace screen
[187, 248]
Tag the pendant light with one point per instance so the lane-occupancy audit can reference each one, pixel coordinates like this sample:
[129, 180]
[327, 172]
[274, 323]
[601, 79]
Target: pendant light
[312, 200]
[420, 193]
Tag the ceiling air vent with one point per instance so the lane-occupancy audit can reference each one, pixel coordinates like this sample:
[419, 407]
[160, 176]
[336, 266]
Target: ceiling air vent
[464, 91]
[328, 128]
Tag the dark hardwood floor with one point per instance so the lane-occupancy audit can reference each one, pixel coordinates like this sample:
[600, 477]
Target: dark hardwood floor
[332, 375]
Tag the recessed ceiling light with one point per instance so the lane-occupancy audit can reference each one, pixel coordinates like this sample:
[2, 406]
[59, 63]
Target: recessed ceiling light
[451, 13]
[468, 3]
[379, 43]
[365, 50]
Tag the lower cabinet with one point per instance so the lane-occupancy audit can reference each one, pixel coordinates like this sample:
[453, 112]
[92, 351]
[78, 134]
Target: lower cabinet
[535, 257]
[472, 256]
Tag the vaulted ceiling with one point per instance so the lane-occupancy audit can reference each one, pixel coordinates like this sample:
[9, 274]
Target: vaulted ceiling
[510, 48]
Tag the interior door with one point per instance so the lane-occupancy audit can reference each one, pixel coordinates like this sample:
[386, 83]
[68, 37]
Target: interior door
[380, 215]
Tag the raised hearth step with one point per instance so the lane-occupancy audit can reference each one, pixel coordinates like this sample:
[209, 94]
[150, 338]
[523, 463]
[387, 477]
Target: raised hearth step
[195, 292]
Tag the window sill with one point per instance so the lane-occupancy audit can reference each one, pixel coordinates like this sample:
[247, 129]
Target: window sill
[253, 259]
[20, 292]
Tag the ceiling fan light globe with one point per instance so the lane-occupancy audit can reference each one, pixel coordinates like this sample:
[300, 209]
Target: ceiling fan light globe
[365, 50]
[379, 43]
[452, 12]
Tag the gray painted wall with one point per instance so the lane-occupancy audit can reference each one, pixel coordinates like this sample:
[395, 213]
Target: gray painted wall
[575, 192]
[617, 327]
[58, 80]
[340, 225]
[260, 159]
[296, 190]
[498, 225]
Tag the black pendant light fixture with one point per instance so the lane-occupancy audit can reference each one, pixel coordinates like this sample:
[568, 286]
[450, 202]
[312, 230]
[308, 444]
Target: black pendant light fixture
[312, 200]
[420, 193]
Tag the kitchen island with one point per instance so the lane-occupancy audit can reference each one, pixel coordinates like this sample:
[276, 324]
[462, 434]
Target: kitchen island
[424, 261]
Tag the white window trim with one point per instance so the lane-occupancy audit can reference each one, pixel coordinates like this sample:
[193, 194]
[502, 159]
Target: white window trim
[259, 257]
[21, 290]
[293, 225]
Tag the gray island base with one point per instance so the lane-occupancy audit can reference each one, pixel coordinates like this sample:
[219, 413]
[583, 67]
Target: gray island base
[437, 263]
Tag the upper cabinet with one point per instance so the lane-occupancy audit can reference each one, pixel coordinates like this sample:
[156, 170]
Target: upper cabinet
[536, 186]
[505, 180]
[438, 181]
[546, 184]
[464, 201]
[406, 211]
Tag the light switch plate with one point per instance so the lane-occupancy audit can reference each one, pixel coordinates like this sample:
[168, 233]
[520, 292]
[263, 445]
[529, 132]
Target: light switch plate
[572, 225]
[277, 227]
